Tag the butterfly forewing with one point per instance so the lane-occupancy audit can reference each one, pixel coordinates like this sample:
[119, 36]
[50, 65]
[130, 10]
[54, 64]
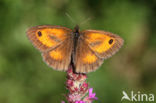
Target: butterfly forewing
[103, 44]
[45, 37]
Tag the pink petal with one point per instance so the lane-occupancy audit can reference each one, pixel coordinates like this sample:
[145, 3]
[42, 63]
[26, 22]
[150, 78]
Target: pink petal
[63, 102]
[79, 102]
[93, 95]
[90, 90]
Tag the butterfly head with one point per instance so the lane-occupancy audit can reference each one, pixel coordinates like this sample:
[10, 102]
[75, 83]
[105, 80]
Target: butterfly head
[76, 31]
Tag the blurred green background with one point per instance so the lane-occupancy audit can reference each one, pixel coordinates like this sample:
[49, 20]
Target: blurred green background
[25, 78]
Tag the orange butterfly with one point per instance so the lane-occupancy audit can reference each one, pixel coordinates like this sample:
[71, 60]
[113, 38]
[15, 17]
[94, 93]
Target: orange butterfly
[62, 47]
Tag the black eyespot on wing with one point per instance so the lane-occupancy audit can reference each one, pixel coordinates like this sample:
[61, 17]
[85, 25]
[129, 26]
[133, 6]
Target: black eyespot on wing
[110, 41]
[39, 33]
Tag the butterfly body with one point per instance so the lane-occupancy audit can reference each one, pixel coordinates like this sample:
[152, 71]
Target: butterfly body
[76, 35]
[84, 50]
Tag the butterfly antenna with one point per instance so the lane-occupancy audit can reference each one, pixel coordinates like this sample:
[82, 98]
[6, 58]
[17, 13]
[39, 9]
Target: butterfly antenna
[83, 22]
[70, 18]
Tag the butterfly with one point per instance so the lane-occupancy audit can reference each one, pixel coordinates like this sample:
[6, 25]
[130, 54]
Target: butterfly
[84, 50]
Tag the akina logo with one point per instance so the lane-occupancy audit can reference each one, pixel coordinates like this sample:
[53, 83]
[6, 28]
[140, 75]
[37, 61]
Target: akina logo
[138, 96]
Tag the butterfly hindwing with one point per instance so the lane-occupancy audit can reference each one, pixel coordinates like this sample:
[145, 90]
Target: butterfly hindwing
[85, 59]
[59, 58]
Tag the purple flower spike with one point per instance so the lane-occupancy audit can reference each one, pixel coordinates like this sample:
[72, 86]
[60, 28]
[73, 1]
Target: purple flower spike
[92, 95]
